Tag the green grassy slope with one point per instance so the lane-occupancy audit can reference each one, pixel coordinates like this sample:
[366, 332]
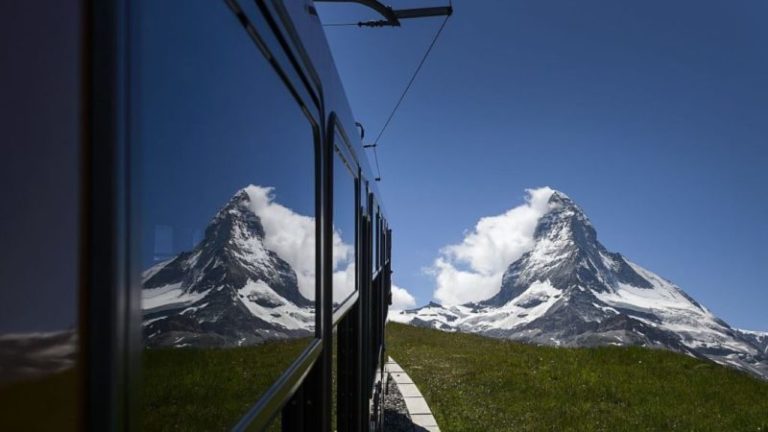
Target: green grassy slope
[190, 389]
[473, 383]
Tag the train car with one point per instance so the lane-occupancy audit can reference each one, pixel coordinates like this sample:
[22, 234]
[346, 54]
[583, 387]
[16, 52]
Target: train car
[193, 237]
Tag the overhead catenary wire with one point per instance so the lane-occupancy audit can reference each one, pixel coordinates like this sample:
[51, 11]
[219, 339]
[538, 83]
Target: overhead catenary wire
[410, 82]
[403, 94]
[405, 90]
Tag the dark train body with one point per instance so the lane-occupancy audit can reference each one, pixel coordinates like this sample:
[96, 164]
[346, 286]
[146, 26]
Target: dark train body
[194, 239]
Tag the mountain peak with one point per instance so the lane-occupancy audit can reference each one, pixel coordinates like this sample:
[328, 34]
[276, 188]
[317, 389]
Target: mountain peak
[235, 220]
[558, 197]
[562, 202]
[565, 220]
[240, 201]
[566, 252]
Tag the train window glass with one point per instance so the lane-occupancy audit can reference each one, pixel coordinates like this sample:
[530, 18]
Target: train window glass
[385, 243]
[378, 240]
[383, 252]
[375, 238]
[227, 216]
[380, 244]
[344, 222]
[383, 247]
[363, 216]
[40, 224]
[363, 196]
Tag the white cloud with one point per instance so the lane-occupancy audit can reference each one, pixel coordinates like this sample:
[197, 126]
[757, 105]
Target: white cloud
[464, 272]
[343, 283]
[401, 299]
[472, 270]
[292, 237]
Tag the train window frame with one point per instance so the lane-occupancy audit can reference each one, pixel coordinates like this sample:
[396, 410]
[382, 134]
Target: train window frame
[374, 236]
[341, 148]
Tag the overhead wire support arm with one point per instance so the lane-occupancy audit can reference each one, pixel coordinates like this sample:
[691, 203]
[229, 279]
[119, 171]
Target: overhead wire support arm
[391, 16]
[424, 12]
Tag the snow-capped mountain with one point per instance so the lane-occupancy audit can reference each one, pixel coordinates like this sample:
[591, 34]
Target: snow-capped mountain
[569, 290]
[229, 290]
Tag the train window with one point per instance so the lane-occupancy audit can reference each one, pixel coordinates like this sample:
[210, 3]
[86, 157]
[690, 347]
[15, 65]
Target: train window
[375, 238]
[389, 244]
[344, 221]
[379, 244]
[363, 216]
[227, 201]
[385, 243]
[40, 224]
[378, 239]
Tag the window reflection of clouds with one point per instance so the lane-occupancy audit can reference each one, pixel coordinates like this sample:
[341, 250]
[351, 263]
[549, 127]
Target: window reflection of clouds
[287, 233]
[344, 215]
[292, 236]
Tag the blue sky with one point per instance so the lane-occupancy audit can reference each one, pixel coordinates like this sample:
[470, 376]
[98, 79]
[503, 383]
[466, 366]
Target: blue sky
[651, 115]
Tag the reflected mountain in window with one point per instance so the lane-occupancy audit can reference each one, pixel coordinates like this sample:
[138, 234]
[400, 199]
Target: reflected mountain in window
[250, 279]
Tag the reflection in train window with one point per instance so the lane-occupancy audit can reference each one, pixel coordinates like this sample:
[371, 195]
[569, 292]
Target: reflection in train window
[40, 224]
[374, 238]
[227, 199]
[344, 222]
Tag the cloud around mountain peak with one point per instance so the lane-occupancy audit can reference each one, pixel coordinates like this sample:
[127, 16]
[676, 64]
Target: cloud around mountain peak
[292, 236]
[471, 270]
[287, 233]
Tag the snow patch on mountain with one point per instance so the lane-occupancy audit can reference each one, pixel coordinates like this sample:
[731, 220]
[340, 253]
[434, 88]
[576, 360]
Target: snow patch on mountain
[263, 301]
[171, 296]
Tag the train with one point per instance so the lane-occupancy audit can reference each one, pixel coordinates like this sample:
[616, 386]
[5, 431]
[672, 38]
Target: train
[194, 237]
